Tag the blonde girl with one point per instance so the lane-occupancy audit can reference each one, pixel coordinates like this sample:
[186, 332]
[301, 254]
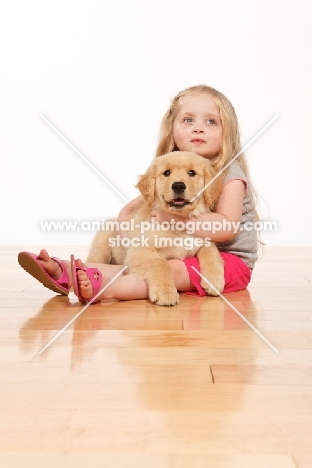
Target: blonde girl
[202, 120]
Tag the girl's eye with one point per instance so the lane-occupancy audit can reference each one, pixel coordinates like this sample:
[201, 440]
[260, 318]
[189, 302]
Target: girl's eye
[166, 173]
[188, 119]
[211, 121]
[192, 173]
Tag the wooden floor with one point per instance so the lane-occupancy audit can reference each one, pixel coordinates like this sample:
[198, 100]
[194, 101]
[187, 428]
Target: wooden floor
[135, 385]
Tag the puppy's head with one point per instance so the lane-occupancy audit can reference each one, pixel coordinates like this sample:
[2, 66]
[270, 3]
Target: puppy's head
[178, 182]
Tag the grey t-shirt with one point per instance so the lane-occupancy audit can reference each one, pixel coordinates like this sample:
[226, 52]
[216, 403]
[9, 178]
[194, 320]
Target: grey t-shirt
[245, 243]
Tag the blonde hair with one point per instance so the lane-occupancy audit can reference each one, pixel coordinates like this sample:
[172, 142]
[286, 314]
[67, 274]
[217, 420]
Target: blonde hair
[231, 140]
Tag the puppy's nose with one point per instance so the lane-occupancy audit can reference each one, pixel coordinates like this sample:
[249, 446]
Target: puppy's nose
[178, 187]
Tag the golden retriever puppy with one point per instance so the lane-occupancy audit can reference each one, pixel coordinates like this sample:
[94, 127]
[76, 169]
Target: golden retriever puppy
[175, 183]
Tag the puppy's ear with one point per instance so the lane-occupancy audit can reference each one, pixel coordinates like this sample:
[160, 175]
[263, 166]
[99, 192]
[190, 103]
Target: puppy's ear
[213, 190]
[146, 185]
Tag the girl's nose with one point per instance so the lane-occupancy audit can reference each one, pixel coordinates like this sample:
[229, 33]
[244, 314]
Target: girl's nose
[198, 129]
[198, 126]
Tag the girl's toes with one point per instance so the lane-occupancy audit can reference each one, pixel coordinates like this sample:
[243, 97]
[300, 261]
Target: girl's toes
[79, 263]
[84, 284]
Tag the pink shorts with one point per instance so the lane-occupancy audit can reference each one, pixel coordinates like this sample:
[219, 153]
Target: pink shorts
[236, 274]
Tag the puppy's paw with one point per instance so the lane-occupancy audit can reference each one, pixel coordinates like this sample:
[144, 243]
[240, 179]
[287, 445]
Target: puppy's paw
[164, 297]
[214, 286]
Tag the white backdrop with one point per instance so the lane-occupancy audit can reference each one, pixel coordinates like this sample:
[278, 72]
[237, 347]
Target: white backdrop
[103, 73]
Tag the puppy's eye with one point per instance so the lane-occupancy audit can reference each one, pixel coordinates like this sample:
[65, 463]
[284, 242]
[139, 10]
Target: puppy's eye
[166, 173]
[192, 173]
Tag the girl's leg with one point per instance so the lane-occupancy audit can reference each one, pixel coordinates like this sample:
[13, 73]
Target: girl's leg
[125, 287]
[55, 271]
[129, 286]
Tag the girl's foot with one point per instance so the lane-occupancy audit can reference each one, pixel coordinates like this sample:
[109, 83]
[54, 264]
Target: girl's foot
[50, 271]
[106, 283]
[87, 287]
[89, 281]
[84, 284]
[51, 266]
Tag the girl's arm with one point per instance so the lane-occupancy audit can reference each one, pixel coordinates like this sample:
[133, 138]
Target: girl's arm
[129, 208]
[224, 222]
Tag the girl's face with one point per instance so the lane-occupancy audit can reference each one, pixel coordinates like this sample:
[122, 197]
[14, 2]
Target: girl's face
[197, 126]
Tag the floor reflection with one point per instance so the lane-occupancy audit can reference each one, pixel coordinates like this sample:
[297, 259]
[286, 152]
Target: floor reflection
[125, 318]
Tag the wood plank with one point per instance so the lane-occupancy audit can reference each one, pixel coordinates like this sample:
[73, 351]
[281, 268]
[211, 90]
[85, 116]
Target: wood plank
[222, 339]
[262, 375]
[276, 294]
[281, 306]
[142, 460]
[165, 356]
[303, 461]
[96, 323]
[280, 278]
[189, 306]
[235, 322]
[170, 355]
[165, 334]
[154, 431]
[59, 374]
[136, 388]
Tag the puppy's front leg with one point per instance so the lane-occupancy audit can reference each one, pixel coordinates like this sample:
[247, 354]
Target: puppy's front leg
[157, 274]
[212, 269]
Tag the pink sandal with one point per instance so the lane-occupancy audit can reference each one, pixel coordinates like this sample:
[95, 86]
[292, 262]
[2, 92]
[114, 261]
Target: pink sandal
[30, 262]
[95, 277]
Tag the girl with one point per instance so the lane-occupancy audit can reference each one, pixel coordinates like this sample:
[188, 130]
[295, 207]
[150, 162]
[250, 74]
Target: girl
[202, 120]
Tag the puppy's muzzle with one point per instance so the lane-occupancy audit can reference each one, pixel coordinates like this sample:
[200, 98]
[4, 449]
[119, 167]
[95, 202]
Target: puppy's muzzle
[178, 202]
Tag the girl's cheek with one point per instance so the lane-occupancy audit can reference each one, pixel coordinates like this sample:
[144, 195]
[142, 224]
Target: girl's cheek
[179, 133]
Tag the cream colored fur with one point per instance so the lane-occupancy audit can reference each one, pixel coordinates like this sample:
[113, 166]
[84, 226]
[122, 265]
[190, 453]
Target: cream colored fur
[156, 187]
